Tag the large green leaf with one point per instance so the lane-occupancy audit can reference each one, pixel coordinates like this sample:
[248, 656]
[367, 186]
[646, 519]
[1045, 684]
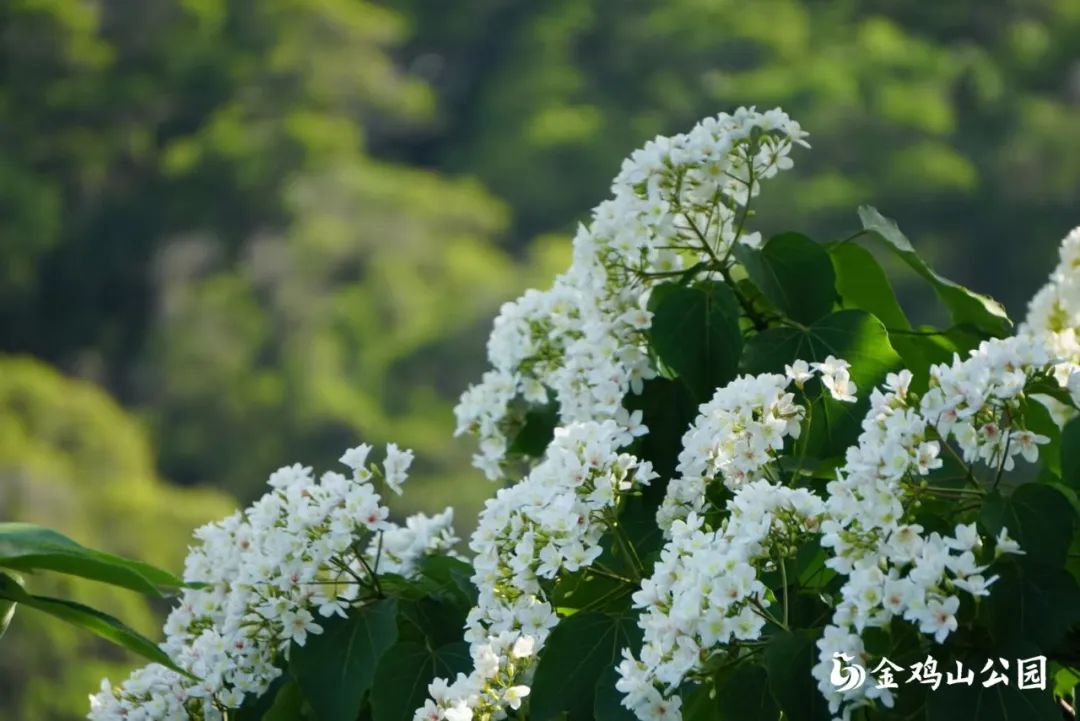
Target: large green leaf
[450, 579]
[1032, 603]
[1038, 516]
[789, 658]
[430, 620]
[579, 650]
[695, 332]
[26, 547]
[287, 705]
[739, 694]
[607, 700]
[255, 708]
[667, 410]
[1070, 454]
[7, 606]
[794, 273]
[404, 672]
[853, 335]
[586, 591]
[862, 283]
[965, 306]
[533, 438]
[94, 621]
[335, 669]
[1000, 702]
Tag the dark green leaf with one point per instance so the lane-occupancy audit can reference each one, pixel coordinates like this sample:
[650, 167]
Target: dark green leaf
[255, 708]
[853, 335]
[1038, 518]
[452, 578]
[794, 273]
[579, 650]
[1038, 419]
[404, 672]
[695, 332]
[607, 700]
[533, 438]
[585, 590]
[740, 694]
[964, 305]
[435, 621]
[26, 547]
[667, 410]
[287, 705]
[1070, 454]
[96, 622]
[998, 703]
[335, 669]
[789, 658]
[862, 284]
[1032, 603]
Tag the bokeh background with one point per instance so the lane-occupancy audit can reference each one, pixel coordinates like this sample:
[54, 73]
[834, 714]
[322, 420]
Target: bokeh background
[235, 234]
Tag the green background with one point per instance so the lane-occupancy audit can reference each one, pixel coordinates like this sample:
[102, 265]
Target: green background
[236, 234]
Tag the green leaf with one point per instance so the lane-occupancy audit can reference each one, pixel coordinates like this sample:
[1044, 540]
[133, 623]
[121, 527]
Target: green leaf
[667, 410]
[287, 705]
[451, 578]
[434, 620]
[695, 332]
[1038, 518]
[26, 547]
[789, 658]
[964, 305]
[854, 335]
[533, 438]
[579, 650]
[1031, 603]
[998, 703]
[1070, 454]
[737, 695]
[255, 708]
[404, 672]
[585, 590]
[7, 606]
[794, 273]
[607, 700]
[862, 284]
[335, 669]
[94, 621]
[1038, 419]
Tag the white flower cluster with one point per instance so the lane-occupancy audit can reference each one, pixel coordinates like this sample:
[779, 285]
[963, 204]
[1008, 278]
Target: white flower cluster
[704, 594]
[739, 434]
[892, 569]
[305, 550]
[1054, 316]
[679, 205]
[548, 524]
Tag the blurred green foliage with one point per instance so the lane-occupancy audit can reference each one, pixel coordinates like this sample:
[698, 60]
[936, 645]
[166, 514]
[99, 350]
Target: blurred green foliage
[273, 228]
[71, 458]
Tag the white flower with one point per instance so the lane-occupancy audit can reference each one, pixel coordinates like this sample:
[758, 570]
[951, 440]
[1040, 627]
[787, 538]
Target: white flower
[1004, 544]
[836, 378]
[396, 466]
[524, 647]
[355, 458]
[798, 372]
[514, 694]
[939, 617]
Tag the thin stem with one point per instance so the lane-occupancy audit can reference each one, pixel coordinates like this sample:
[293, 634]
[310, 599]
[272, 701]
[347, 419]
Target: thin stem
[783, 579]
[1004, 459]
